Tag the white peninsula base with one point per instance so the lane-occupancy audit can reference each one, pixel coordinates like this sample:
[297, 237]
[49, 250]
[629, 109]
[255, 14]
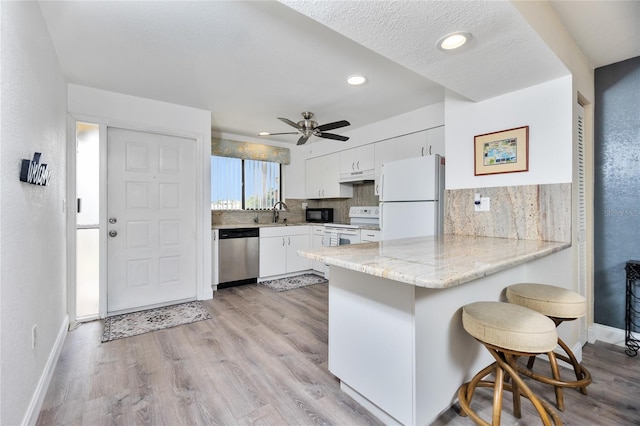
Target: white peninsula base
[400, 350]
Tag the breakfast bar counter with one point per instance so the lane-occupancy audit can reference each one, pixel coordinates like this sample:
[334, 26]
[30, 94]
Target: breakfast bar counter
[396, 340]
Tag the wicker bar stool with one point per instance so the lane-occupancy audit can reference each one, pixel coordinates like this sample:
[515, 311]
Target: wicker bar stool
[559, 304]
[507, 331]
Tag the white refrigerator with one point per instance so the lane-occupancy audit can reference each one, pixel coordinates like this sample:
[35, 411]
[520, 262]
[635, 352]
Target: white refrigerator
[412, 197]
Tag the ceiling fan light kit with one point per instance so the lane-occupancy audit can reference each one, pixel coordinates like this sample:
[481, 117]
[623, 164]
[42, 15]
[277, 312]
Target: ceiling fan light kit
[308, 127]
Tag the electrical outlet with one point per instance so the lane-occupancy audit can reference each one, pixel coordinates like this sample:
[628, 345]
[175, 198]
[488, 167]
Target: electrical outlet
[34, 333]
[304, 206]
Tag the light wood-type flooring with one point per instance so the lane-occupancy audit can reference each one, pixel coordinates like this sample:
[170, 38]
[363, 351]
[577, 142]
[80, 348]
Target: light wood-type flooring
[262, 359]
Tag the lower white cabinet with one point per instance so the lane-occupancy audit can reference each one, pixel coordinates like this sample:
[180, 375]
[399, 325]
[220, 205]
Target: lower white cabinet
[317, 233]
[279, 250]
[214, 259]
[368, 235]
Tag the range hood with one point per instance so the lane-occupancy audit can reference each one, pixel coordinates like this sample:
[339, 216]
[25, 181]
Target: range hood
[359, 176]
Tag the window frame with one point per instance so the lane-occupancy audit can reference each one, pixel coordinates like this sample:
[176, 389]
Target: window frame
[243, 185]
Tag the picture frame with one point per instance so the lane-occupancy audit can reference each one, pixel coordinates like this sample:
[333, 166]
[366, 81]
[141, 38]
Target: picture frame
[506, 151]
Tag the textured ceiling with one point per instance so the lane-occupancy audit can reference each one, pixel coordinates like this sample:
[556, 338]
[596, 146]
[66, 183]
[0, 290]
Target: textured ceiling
[505, 53]
[251, 62]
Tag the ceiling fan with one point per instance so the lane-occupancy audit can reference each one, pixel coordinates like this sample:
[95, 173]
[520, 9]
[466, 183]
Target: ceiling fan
[308, 128]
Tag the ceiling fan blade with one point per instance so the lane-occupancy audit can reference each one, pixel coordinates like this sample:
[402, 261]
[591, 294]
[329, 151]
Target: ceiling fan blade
[303, 140]
[285, 133]
[332, 136]
[334, 125]
[289, 122]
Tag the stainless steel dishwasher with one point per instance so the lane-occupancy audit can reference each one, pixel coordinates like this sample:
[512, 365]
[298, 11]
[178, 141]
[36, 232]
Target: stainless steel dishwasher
[238, 256]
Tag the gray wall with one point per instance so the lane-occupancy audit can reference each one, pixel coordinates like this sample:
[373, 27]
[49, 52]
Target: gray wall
[617, 185]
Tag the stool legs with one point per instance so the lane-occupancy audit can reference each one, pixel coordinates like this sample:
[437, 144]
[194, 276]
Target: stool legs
[505, 366]
[583, 377]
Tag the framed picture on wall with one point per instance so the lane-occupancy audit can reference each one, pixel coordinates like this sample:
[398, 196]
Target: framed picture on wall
[506, 151]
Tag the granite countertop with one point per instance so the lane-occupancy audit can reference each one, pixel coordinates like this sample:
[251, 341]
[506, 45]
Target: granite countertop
[435, 262]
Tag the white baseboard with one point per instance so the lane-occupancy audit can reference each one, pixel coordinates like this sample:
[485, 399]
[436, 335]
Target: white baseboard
[33, 411]
[608, 334]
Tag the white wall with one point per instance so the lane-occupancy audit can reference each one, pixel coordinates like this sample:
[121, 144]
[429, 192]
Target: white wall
[115, 109]
[546, 108]
[32, 221]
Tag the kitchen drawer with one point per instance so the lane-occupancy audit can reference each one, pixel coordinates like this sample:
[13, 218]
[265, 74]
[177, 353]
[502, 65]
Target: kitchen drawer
[284, 231]
[367, 235]
[317, 230]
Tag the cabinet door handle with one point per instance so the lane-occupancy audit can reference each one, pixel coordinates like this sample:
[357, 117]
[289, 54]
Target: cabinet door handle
[282, 241]
[289, 241]
[429, 149]
[353, 166]
[358, 165]
[422, 151]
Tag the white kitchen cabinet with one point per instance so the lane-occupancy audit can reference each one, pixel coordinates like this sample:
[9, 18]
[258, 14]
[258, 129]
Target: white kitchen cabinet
[435, 141]
[317, 233]
[369, 235]
[279, 250]
[214, 259]
[356, 161]
[313, 177]
[426, 142]
[322, 178]
[384, 152]
[411, 145]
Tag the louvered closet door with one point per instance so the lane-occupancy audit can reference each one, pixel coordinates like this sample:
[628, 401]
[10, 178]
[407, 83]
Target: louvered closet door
[151, 213]
[582, 220]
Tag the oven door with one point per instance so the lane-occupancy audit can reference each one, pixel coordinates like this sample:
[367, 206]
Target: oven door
[340, 236]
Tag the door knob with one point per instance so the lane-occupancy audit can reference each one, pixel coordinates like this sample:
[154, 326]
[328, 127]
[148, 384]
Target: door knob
[112, 220]
[113, 233]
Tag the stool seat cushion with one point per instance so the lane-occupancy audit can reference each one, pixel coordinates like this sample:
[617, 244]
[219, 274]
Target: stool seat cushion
[549, 300]
[510, 326]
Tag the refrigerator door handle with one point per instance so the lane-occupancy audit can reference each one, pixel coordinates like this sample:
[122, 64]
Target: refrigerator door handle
[381, 188]
[380, 221]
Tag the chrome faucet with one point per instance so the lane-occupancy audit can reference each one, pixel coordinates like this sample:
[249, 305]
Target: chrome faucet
[276, 214]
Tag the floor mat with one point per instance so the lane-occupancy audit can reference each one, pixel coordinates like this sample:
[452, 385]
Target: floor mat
[290, 283]
[135, 323]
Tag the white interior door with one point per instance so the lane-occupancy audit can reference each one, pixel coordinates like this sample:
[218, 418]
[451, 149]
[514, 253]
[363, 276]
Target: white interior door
[151, 209]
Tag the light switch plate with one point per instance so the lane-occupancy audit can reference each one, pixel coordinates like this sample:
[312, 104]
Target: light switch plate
[484, 206]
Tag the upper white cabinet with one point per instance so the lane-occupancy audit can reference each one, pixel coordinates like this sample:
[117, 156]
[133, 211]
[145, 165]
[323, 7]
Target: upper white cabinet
[357, 163]
[411, 145]
[323, 178]
[426, 142]
[435, 141]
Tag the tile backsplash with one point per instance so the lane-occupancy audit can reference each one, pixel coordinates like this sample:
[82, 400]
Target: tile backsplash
[529, 212]
[363, 195]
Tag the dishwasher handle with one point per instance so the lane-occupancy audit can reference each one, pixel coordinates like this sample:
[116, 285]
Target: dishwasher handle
[225, 234]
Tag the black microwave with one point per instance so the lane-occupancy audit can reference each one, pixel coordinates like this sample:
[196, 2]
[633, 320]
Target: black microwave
[319, 215]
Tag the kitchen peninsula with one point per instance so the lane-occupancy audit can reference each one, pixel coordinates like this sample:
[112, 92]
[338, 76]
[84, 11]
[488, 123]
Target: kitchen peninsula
[396, 340]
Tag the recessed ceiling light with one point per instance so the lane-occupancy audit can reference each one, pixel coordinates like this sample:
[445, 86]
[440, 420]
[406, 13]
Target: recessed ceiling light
[356, 80]
[264, 133]
[454, 40]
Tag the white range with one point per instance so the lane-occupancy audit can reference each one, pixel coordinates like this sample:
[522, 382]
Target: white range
[360, 217]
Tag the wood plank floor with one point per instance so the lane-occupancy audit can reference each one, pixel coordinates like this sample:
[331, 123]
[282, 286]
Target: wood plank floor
[262, 359]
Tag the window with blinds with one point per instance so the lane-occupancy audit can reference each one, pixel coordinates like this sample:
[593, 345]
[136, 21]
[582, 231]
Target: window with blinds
[238, 184]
